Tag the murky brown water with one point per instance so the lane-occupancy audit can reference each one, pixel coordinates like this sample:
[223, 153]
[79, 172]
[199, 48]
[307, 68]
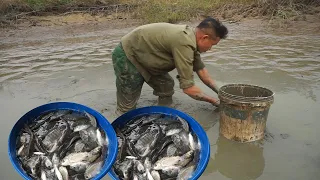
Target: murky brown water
[40, 66]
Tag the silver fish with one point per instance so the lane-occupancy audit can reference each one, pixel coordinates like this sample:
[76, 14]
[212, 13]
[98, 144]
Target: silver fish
[175, 161]
[149, 175]
[43, 175]
[81, 156]
[100, 140]
[79, 166]
[147, 163]
[47, 162]
[55, 159]
[155, 175]
[55, 137]
[58, 174]
[92, 119]
[33, 164]
[79, 146]
[89, 136]
[186, 173]
[181, 141]
[192, 142]
[171, 171]
[77, 177]
[173, 131]
[64, 172]
[184, 124]
[93, 170]
[135, 177]
[124, 169]
[145, 143]
[139, 167]
[81, 127]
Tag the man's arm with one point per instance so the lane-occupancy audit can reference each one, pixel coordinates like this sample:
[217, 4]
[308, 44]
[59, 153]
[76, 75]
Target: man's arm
[196, 93]
[207, 80]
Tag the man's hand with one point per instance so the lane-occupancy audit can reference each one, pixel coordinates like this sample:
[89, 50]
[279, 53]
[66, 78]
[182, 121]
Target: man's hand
[217, 103]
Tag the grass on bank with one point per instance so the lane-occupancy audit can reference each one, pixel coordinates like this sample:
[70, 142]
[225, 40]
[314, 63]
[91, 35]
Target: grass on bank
[171, 10]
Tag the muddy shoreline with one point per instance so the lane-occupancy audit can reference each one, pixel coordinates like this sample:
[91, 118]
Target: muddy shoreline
[40, 26]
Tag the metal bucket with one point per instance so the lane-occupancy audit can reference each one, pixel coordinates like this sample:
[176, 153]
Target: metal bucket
[243, 111]
[193, 124]
[101, 122]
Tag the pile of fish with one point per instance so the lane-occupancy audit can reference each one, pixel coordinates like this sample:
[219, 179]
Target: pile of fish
[156, 146]
[62, 145]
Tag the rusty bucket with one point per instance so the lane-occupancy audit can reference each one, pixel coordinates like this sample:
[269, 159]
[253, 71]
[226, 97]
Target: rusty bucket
[243, 111]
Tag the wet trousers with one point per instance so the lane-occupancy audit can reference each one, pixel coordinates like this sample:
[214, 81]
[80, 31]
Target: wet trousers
[129, 82]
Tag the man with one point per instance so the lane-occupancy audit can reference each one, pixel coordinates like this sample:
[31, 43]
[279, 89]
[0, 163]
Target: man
[149, 52]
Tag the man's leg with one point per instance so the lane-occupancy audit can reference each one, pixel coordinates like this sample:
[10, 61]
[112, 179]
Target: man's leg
[128, 81]
[163, 87]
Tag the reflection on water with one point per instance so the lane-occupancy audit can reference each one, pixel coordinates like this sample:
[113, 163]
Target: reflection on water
[238, 161]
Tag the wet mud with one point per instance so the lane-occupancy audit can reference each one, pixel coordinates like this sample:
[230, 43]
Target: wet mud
[42, 64]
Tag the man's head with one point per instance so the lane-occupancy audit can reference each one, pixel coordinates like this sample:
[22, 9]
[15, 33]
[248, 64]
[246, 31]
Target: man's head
[209, 32]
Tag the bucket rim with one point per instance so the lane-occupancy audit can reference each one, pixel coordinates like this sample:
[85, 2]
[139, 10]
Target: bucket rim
[202, 135]
[108, 129]
[243, 99]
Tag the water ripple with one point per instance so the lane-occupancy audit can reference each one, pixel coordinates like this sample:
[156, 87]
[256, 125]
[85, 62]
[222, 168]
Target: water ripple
[244, 50]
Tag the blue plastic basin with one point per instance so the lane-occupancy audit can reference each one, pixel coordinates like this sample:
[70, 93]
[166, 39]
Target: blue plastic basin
[102, 122]
[194, 125]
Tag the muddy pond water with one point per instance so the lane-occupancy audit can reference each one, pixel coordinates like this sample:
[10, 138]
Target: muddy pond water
[42, 65]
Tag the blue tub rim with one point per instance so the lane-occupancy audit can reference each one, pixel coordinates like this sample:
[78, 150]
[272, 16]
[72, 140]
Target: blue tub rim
[109, 131]
[205, 147]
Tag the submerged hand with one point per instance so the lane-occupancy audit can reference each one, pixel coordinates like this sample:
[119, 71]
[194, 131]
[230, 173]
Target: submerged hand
[216, 103]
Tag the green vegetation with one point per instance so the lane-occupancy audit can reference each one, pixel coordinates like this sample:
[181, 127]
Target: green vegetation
[177, 10]
[170, 10]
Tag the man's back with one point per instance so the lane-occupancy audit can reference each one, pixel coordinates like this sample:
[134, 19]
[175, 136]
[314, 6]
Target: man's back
[150, 47]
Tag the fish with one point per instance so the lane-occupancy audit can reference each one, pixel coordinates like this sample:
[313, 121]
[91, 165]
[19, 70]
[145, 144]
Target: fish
[184, 124]
[155, 175]
[79, 146]
[191, 142]
[93, 170]
[79, 124]
[28, 148]
[62, 145]
[57, 172]
[100, 139]
[150, 177]
[139, 167]
[64, 172]
[124, 169]
[43, 175]
[92, 119]
[174, 161]
[64, 148]
[146, 142]
[77, 177]
[55, 137]
[154, 147]
[40, 120]
[186, 173]
[81, 157]
[181, 141]
[171, 171]
[46, 162]
[132, 125]
[79, 166]
[159, 150]
[33, 164]
[89, 136]
[121, 152]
